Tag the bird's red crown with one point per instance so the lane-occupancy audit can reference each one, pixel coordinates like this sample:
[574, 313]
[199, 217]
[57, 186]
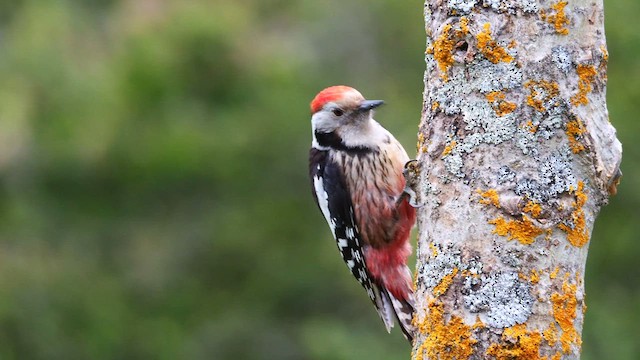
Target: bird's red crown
[331, 94]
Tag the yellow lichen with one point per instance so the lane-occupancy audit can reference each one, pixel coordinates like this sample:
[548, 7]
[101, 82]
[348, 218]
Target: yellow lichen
[434, 249]
[435, 106]
[444, 284]
[535, 276]
[449, 148]
[586, 75]
[554, 273]
[478, 324]
[420, 143]
[533, 208]
[445, 340]
[442, 51]
[548, 234]
[421, 146]
[605, 53]
[559, 19]
[522, 230]
[495, 96]
[499, 104]
[464, 25]
[551, 335]
[490, 48]
[444, 46]
[564, 312]
[540, 92]
[577, 234]
[467, 273]
[489, 197]
[575, 128]
[530, 127]
[518, 343]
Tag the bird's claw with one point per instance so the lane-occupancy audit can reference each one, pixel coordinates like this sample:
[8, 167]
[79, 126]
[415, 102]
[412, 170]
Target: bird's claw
[411, 174]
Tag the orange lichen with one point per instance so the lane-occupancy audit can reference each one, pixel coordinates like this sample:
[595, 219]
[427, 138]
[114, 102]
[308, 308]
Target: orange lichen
[586, 75]
[518, 343]
[464, 25]
[551, 335]
[445, 340]
[533, 208]
[564, 312]
[605, 53]
[499, 104]
[467, 273]
[444, 284]
[559, 19]
[444, 46]
[577, 234]
[575, 129]
[421, 146]
[540, 92]
[548, 234]
[449, 148]
[495, 96]
[554, 273]
[490, 48]
[504, 108]
[489, 197]
[535, 276]
[530, 127]
[478, 324]
[522, 230]
[442, 51]
[435, 106]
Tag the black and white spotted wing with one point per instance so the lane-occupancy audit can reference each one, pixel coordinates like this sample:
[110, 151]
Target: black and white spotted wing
[333, 198]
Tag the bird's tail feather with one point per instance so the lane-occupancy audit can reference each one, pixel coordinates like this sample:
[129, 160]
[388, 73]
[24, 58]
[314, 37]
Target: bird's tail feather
[390, 307]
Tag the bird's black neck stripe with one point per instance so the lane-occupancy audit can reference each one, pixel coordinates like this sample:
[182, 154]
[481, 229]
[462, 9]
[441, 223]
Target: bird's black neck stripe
[334, 141]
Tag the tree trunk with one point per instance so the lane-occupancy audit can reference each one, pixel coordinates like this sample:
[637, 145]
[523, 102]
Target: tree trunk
[516, 156]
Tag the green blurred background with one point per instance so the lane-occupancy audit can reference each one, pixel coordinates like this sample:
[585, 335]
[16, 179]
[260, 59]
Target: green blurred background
[154, 201]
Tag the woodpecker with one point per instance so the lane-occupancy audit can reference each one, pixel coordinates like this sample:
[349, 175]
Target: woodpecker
[356, 171]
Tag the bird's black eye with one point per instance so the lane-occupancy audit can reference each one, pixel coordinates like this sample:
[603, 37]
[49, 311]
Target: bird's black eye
[337, 112]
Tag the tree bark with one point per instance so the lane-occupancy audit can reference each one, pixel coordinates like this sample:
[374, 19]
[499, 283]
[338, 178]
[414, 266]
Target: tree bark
[516, 156]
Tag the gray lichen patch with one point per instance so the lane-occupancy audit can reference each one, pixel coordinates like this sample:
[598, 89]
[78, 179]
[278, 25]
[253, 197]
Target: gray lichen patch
[505, 174]
[482, 76]
[562, 58]
[453, 163]
[462, 6]
[485, 76]
[510, 6]
[526, 141]
[502, 299]
[500, 6]
[555, 176]
[443, 261]
[482, 125]
[548, 124]
[440, 264]
[489, 127]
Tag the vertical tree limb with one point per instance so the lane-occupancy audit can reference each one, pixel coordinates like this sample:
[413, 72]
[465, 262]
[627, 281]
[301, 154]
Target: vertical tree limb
[516, 157]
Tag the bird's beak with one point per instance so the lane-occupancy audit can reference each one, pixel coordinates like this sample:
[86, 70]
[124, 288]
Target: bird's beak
[369, 104]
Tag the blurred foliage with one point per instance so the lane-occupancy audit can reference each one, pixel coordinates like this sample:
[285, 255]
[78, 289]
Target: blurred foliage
[154, 200]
